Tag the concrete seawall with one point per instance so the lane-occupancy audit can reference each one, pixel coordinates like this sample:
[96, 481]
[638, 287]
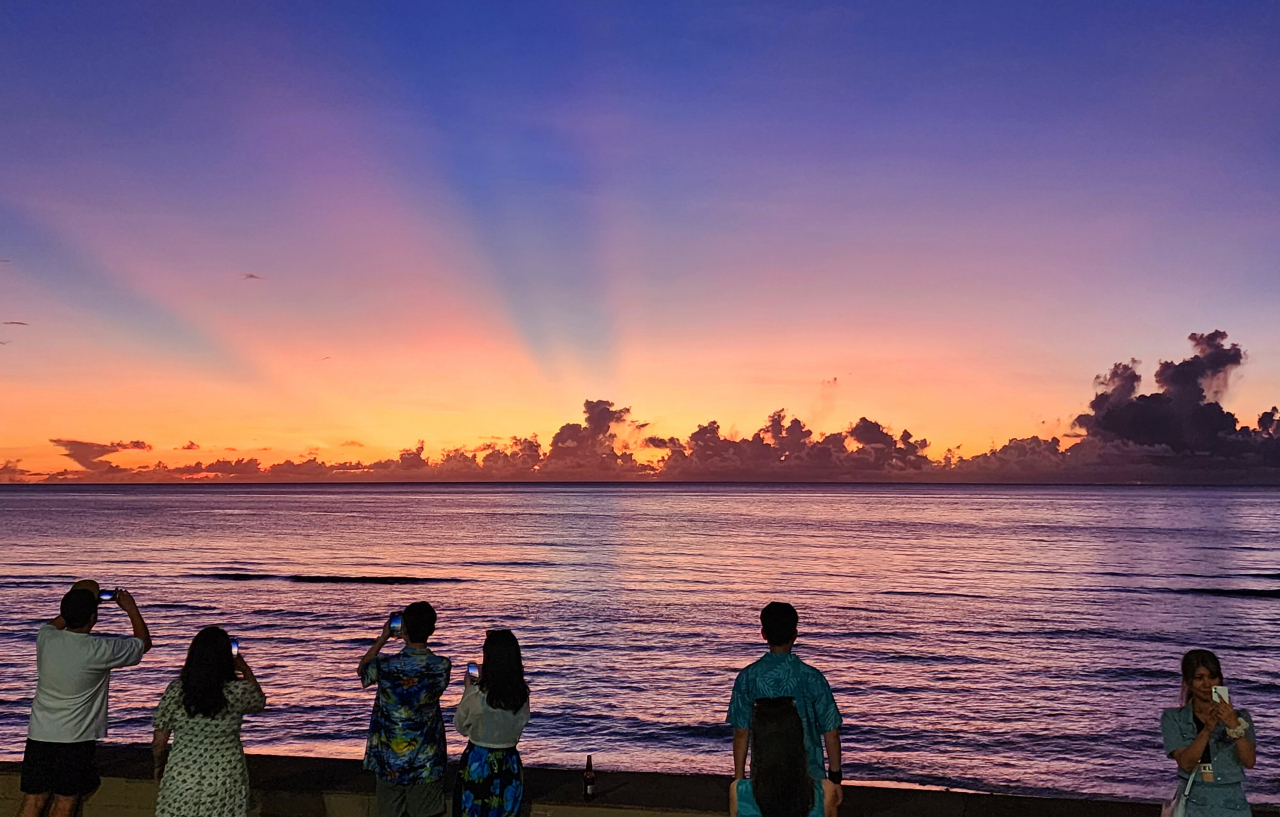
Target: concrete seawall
[321, 787]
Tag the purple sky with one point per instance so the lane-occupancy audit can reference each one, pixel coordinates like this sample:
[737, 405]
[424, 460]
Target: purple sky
[466, 219]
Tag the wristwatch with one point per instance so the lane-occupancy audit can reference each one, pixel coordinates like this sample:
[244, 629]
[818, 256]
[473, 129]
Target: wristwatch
[835, 776]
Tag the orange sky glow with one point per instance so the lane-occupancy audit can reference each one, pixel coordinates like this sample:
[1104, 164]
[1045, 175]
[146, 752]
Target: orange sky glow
[275, 255]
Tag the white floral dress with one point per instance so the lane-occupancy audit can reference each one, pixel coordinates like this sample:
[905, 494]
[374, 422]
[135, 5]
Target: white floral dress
[206, 775]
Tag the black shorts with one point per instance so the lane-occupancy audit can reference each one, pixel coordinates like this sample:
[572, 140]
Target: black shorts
[65, 769]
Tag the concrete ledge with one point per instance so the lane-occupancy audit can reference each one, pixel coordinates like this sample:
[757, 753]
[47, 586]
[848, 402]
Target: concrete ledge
[326, 787]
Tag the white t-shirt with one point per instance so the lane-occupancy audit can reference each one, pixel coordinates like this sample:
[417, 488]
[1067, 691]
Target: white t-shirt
[74, 670]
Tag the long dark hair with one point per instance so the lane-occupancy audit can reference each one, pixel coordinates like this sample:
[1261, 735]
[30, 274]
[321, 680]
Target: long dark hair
[1191, 663]
[780, 779]
[502, 676]
[209, 666]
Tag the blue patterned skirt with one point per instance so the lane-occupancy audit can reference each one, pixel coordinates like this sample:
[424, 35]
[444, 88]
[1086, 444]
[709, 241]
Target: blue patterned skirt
[490, 782]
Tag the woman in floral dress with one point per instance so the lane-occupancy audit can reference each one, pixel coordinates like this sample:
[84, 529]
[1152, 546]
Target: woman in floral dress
[205, 774]
[491, 715]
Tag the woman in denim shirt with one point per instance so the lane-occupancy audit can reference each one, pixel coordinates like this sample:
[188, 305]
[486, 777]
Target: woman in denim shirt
[1211, 742]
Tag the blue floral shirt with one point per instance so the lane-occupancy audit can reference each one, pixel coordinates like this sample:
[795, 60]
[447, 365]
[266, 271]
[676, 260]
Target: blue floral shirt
[406, 732]
[783, 675]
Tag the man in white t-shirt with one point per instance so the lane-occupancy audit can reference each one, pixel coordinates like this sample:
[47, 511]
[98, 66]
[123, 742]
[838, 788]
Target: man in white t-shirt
[69, 710]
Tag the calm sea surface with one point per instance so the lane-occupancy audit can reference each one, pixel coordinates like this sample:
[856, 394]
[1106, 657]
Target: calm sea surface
[1002, 639]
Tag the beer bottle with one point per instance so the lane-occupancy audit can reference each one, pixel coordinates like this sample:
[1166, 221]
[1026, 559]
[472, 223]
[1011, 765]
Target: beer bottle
[589, 782]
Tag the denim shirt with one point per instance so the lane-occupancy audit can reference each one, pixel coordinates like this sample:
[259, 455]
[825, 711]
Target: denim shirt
[1179, 728]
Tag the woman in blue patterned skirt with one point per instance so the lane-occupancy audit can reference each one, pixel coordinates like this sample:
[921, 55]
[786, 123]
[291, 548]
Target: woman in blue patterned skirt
[491, 715]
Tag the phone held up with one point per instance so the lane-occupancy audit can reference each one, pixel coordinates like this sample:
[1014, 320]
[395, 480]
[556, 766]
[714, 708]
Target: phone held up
[1221, 695]
[235, 648]
[473, 671]
[396, 624]
[108, 595]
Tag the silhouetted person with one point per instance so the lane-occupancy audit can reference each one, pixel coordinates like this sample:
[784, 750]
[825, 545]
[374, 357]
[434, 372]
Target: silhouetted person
[781, 784]
[780, 674]
[69, 710]
[491, 715]
[1211, 741]
[406, 747]
[205, 775]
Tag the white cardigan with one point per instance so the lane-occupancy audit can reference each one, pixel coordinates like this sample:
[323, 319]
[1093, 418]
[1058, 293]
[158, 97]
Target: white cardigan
[485, 726]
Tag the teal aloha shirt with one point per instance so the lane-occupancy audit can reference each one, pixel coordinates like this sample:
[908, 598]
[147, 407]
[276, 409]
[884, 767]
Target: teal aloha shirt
[783, 675]
[406, 732]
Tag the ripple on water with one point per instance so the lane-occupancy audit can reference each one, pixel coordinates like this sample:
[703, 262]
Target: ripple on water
[975, 637]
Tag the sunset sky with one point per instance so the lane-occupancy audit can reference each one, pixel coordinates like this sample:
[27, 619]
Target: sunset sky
[279, 229]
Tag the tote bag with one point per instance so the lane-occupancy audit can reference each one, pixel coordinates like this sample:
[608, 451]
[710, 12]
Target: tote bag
[1177, 807]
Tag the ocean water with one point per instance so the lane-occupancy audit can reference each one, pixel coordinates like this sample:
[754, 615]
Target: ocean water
[992, 638]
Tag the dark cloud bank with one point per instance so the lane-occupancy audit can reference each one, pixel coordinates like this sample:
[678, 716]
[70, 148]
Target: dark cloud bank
[1178, 434]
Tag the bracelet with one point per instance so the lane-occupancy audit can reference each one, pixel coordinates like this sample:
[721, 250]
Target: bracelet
[1240, 731]
[835, 776]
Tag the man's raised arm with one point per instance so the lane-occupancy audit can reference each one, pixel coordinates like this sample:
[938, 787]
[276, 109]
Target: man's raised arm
[140, 630]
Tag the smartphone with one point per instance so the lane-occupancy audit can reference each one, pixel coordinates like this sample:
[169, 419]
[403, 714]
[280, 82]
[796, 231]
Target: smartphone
[397, 623]
[235, 647]
[473, 669]
[107, 595]
[1221, 695]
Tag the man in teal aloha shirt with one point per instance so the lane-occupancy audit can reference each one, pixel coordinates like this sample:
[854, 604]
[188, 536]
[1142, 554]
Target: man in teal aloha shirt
[780, 674]
[406, 746]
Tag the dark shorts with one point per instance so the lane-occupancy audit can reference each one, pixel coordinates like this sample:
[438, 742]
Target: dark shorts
[415, 799]
[64, 769]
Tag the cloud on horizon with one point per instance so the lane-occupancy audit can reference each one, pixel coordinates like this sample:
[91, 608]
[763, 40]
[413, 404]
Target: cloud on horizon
[89, 455]
[10, 472]
[1177, 434]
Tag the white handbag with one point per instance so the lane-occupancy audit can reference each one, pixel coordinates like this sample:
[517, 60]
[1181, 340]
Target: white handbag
[1177, 807]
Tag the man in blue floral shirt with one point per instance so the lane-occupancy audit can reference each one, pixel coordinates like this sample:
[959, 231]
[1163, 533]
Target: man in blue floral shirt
[406, 748]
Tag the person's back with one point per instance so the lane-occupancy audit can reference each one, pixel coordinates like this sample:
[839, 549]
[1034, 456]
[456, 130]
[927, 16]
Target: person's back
[243, 698]
[406, 747]
[69, 708]
[486, 725]
[407, 728]
[782, 783]
[205, 774]
[491, 715]
[784, 675]
[781, 674]
[73, 679]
